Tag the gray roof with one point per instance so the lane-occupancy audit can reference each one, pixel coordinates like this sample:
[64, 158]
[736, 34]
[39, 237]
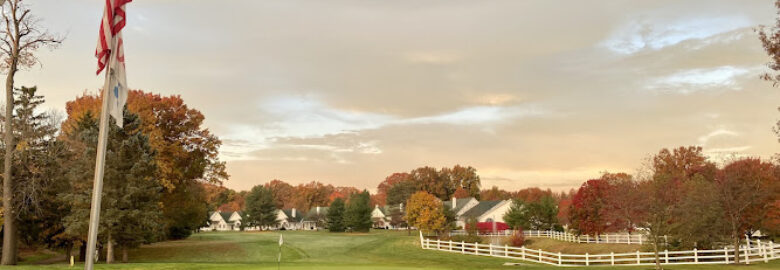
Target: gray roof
[481, 208]
[298, 215]
[459, 204]
[313, 212]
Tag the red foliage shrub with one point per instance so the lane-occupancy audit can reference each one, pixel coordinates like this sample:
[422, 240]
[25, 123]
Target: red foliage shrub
[517, 239]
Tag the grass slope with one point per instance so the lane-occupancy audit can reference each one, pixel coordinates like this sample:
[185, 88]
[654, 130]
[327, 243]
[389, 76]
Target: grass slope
[317, 250]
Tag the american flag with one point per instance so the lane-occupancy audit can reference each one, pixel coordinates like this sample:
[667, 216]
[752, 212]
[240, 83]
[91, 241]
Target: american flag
[110, 45]
[110, 28]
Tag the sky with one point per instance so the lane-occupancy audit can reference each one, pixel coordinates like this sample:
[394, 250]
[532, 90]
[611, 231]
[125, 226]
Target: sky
[531, 93]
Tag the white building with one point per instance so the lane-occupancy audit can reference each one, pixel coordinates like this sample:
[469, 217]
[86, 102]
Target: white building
[224, 221]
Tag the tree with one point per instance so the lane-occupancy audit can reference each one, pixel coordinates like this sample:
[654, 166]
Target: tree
[533, 194]
[384, 187]
[424, 211]
[357, 216]
[187, 153]
[38, 171]
[185, 210]
[536, 215]
[397, 217]
[621, 209]
[463, 177]
[588, 212]
[336, 216]
[400, 192]
[699, 218]
[663, 191]
[260, 208]
[428, 179]
[461, 193]
[131, 212]
[564, 211]
[518, 215]
[283, 193]
[744, 188]
[494, 194]
[21, 37]
[310, 195]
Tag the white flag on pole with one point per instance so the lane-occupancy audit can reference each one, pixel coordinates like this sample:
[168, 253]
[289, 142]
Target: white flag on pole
[111, 52]
[118, 88]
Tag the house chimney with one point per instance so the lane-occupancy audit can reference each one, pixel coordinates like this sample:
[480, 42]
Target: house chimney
[318, 210]
[293, 212]
[454, 202]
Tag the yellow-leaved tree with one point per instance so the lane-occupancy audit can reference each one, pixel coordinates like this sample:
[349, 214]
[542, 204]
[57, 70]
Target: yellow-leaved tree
[425, 212]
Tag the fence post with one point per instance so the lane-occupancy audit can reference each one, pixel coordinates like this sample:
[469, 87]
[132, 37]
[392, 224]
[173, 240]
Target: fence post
[438, 244]
[476, 248]
[763, 250]
[559, 258]
[587, 261]
[772, 249]
[450, 244]
[666, 255]
[726, 254]
[629, 239]
[747, 257]
[640, 239]
[638, 260]
[462, 247]
[612, 258]
[540, 254]
[695, 255]
[522, 252]
[506, 250]
[597, 238]
[490, 249]
[607, 238]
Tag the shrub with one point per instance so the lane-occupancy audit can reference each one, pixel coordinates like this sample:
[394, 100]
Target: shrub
[466, 238]
[517, 239]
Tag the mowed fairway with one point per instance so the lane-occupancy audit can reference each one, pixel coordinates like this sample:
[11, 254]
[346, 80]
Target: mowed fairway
[317, 250]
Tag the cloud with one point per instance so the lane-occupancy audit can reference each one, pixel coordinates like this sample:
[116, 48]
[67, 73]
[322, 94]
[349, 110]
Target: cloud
[657, 33]
[700, 79]
[305, 122]
[719, 132]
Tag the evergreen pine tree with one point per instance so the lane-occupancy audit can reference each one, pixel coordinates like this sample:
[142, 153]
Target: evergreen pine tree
[130, 210]
[357, 216]
[336, 216]
[260, 207]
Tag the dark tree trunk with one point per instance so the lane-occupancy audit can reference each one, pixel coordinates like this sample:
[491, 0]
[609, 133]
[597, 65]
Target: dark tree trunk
[68, 251]
[82, 251]
[124, 254]
[109, 250]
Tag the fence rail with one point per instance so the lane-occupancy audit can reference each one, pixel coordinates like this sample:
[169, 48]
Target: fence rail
[630, 239]
[752, 252]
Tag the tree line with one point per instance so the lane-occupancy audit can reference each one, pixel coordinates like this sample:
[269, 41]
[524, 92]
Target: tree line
[155, 166]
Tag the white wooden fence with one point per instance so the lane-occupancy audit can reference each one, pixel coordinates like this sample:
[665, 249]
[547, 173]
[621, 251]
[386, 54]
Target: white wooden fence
[753, 252]
[637, 238]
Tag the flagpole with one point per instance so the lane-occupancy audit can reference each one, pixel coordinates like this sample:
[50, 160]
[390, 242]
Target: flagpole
[97, 188]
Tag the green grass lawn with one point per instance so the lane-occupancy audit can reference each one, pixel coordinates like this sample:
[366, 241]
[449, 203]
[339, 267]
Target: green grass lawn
[317, 250]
